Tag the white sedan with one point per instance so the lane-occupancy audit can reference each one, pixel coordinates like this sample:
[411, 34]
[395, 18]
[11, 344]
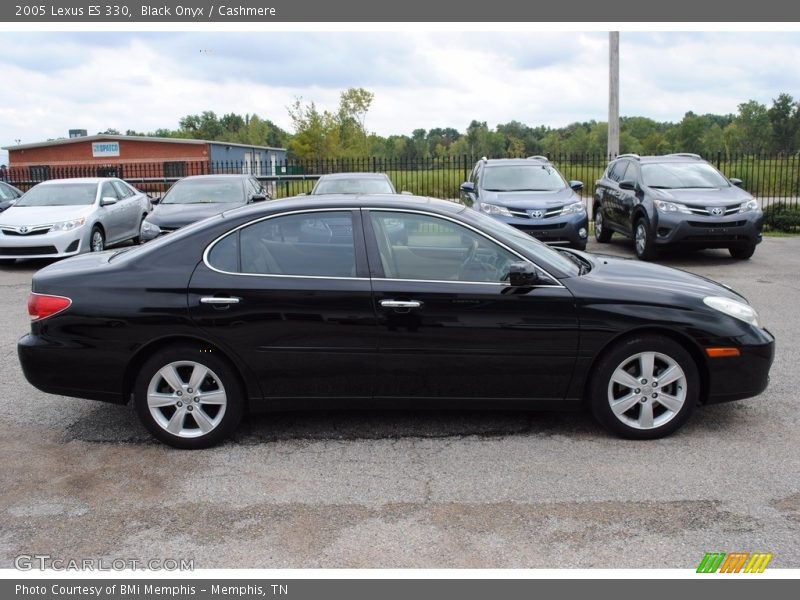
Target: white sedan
[64, 217]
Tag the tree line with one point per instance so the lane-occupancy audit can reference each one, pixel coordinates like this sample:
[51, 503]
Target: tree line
[755, 129]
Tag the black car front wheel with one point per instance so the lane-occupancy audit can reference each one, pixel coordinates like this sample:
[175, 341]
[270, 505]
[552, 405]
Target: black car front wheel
[188, 397]
[645, 387]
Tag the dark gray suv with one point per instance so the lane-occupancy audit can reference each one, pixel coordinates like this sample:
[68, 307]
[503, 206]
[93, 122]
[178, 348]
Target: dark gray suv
[530, 194]
[675, 200]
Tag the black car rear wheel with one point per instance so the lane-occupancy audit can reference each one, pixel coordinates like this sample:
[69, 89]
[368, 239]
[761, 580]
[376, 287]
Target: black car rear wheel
[601, 233]
[742, 252]
[188, 398]
[644, 388]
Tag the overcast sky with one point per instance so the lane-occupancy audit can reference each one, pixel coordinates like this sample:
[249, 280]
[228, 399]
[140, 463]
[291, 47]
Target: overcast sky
[143, 81]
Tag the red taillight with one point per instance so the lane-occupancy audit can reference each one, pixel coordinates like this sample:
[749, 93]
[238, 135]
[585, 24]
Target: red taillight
[41, 306]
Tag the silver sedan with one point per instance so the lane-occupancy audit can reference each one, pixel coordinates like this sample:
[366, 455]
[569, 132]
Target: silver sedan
[64, 217]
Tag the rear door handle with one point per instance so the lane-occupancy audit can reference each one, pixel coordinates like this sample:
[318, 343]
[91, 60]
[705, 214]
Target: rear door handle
[219, 300]
[401, 303]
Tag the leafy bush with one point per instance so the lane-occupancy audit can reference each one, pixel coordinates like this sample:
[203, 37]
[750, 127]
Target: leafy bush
[782, 216]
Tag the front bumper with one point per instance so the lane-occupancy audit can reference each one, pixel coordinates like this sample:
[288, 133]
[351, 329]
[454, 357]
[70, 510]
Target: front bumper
[743, 376]
[570, 229]
[46, 245]
[739, 229]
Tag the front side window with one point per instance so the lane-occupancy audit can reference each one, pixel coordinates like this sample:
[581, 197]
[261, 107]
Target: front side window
[318, 244]
[123, 190]
[617, 170]
[424, 247]
[109, 191]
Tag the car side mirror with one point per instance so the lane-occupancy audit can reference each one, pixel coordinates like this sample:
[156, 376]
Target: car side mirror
[524, 274]
[468, 187]
[576, 185]
[736, 181]
[154, 200]
[108, 201]
[628, 184]
[258, 197]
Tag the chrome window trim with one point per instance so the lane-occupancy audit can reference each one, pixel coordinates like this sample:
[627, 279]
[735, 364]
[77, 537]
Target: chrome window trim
[557, 284]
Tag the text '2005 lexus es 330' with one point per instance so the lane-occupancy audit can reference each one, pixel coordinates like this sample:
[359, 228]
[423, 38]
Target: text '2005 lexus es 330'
[392, 301]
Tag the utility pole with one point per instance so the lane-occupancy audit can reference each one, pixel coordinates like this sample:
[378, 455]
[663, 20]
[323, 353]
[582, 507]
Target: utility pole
[613, 93]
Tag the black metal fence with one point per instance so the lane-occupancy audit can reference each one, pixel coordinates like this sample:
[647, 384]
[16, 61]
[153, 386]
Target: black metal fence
[773, 179]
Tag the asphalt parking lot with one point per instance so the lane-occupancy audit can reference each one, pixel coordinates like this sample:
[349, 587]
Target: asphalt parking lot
[446, 489]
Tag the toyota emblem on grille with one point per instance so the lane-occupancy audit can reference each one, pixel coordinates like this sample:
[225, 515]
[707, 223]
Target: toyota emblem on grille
[717, 212]
[23, 229]
[537, 214]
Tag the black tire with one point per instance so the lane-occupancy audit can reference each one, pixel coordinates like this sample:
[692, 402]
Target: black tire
[579, 246]
[97, 244]
[630, 356]
[742, 252]
[601, 233]
[645, 248]
[220, 382]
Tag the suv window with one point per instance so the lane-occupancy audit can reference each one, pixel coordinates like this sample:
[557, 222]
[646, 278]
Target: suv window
[617, 170]
[318, 244]
[522, 178]
[424, 247]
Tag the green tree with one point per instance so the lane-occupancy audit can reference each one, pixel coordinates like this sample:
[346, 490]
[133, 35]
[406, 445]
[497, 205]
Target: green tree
[784, 117]
[754, 123]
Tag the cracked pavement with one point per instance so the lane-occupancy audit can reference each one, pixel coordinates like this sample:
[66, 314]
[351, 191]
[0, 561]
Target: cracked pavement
[412, 489]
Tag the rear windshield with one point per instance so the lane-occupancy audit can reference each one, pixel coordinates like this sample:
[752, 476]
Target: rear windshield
[63, 194]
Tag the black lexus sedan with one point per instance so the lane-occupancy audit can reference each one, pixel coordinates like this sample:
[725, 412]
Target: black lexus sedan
[310, 302]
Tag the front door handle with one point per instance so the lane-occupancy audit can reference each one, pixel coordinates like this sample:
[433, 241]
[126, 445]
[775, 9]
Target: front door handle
[219, 300]
[401, 303]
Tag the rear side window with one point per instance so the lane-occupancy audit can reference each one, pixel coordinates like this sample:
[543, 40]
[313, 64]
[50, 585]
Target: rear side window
[318, 244]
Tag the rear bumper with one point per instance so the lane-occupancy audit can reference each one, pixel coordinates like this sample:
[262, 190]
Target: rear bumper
[51, 368]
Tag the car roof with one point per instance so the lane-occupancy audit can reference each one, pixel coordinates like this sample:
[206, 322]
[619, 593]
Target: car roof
[216, 176]
[355, 176]
[664, 158]
[93, 180]
[537, 161]
[352, 201]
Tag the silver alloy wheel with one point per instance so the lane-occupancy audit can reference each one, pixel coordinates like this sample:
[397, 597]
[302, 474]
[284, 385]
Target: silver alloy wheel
[598, 223]
[186, 399]
[641, 238]
[647, 390]
[97, 241]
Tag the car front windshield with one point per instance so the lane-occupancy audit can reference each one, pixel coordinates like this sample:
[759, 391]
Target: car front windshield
[62, 194]
[522, 178]
[542, 254]
[200, 191]
[682, 175]
[354, 185]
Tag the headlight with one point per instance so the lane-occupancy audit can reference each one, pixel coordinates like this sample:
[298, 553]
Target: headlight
[748, 206]
[493, 209]
[68, 225]
[667, 207]
[574, 208]
[733, 308]
[150, 228]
